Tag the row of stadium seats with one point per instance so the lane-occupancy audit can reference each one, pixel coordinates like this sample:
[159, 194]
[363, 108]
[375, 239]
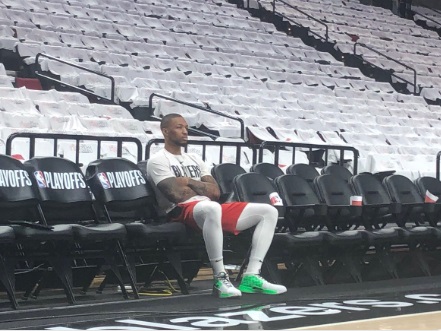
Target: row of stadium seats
[49, 219]
[399, 38]
[320, 220]
[317, 221]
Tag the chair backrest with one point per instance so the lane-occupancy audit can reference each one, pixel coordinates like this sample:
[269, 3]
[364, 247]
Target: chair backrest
[120, 185]
[18, 199]
[430, 184]
[62, 190]
[224, 174]
[142, 165]
[370, 188]
[306, 171]
[253, 187]
[402, 190]
[333, 190]
[337, 170]
[295, 190]
[269, 170]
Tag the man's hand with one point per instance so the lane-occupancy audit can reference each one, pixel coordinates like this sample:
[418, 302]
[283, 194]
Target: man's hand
[176, 189]
[179, 189]
[206, 187]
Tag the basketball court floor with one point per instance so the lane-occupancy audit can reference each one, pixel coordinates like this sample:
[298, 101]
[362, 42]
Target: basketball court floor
[399, 304]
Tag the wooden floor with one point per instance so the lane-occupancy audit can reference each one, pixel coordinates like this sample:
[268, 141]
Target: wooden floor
[419, 321]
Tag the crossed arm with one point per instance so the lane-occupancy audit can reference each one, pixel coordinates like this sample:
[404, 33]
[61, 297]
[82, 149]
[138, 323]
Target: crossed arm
[179, 189]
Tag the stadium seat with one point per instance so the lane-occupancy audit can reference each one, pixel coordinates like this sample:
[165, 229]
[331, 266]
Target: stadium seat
[224, 174]
[37, 241]
[342, 218]
[294, 248]
[337, 170]
[269, 170]
[433, 186]
[64, 198]
[127, 198]
[410, 215]
[303, 208]
[306, 171]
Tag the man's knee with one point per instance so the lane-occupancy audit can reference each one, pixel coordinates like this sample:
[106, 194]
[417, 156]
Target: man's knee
[270, 211]
[210, 208]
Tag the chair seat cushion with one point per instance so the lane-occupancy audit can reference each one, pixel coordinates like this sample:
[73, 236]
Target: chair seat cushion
[173, 232]
[419, 233]
[307, 239]
[58, 232]
[6, 234]
[99, 232]
[345, 238]
[385, 235]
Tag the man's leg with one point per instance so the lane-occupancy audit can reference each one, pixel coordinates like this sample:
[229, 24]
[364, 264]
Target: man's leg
[264, 217]
[208, 215]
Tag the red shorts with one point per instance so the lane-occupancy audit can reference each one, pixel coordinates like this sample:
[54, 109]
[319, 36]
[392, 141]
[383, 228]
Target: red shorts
[230, 215]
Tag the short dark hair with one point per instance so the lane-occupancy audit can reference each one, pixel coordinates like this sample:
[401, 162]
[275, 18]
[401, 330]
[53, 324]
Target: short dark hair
[167, 118]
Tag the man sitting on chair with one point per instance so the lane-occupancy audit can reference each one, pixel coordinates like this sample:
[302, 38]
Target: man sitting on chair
[188, 194]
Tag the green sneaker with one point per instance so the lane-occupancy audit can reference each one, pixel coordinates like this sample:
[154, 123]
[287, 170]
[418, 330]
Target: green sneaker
[257, 284]
[223, 288]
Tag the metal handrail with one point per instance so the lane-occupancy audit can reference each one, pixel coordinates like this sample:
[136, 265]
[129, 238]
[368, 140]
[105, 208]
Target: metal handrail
[438, 167]
[33, 136]
[427, 17]
[281, 144]
[304, 13]
[40, 73]
[258, 149]
[391, 59]
[205, 143]
[209, 110]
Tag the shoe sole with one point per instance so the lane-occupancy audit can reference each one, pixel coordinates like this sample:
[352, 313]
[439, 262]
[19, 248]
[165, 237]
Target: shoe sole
[250, 289]
[219, 295]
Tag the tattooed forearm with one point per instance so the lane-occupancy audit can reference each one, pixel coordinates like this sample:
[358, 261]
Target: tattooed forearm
[207, 187]
[176, 190]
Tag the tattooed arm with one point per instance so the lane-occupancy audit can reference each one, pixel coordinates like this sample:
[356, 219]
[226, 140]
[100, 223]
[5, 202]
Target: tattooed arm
[207, 187]
[176, 189]
[183, 188]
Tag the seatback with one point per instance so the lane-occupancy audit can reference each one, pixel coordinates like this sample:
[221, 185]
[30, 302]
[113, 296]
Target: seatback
[62, 190]
[269, 170]
[303, 170]
[303, 207]
[295, 190]
[336, 193]
[120, 185]
[402, 190]
[142, 165]
[333, 190]
[430, 184]
[337, 170]
[254, 187]
[224, 174]
[433, 186]
[18, 199]
[370, 188]
[376, 201]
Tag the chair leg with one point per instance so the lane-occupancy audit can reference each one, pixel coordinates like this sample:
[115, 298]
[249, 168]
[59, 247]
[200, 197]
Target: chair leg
[351, 263]
[243, 265]
[63, 270]
[8, 280]
[174, 258]
[130, 271]
[387, 261]
[418, 256]
[313, 268]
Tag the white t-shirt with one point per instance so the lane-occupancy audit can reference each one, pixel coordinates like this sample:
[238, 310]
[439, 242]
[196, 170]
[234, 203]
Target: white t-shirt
[164, 165]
